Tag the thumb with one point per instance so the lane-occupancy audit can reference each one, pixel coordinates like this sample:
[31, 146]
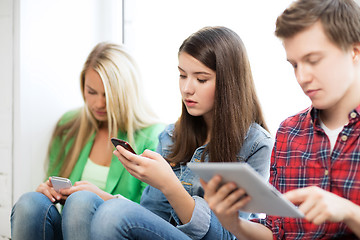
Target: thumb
[296, 196]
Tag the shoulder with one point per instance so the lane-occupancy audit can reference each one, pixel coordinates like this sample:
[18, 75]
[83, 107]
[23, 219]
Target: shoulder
[167, 133]
[256, 149]
[297, 122]
[257, 132]
[256, 138]
[68, 116]
[166, 136]
[166, 140]
[151, 131]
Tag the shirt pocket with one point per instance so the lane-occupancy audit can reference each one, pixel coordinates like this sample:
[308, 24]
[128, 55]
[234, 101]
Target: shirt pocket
[286, 178]
[191, 182]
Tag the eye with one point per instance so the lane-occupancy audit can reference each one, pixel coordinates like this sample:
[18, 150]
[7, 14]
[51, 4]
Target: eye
[313, 61]
[182, 76]
[294, 65]
[91, 92]
[202, 80]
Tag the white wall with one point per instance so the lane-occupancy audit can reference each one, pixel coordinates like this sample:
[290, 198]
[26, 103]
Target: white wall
[155, 30]
[7, 42]
[44, 43]
[55, 39]
[43, 46]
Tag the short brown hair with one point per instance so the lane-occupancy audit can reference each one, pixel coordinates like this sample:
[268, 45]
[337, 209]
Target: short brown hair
[340, 20]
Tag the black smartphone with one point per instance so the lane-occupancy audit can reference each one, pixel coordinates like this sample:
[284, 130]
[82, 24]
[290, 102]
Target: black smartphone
[122, 143]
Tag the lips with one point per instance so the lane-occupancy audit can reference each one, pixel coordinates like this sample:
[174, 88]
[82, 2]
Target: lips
[101, 113]
[190, 103]
[311, 93]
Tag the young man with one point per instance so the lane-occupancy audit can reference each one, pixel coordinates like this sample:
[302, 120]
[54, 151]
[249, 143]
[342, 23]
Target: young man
[316, 156]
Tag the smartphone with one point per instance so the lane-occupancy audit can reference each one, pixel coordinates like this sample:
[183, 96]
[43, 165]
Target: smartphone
[122, 143]
[60, 183]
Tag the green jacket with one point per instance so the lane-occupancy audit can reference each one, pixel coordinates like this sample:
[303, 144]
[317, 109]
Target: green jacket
[119, 181]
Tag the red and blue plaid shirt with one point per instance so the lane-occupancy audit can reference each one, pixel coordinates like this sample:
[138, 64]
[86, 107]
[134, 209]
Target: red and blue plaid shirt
[302, 157]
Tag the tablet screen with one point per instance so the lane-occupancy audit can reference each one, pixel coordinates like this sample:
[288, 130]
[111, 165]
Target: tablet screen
[265, 198]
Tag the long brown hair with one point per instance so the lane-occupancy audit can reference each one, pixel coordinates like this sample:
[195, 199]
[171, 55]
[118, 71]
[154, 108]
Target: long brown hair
[236, 105]
[127, 109]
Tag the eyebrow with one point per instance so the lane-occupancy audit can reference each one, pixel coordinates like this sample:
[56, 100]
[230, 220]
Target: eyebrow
[206, 73]
[90, 88]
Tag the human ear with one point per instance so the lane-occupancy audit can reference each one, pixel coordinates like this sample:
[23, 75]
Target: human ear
[355, 52]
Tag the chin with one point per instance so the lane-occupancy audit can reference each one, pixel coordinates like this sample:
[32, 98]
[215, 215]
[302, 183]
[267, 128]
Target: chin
[101, 119]
[194, 113]
[321, 106]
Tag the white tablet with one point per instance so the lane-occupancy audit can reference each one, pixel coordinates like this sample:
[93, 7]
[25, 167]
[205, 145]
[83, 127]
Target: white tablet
[265, 197]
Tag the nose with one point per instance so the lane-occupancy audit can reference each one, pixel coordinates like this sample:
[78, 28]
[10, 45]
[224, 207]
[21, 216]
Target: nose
[188, 86]
[100, 102]
[303, 75]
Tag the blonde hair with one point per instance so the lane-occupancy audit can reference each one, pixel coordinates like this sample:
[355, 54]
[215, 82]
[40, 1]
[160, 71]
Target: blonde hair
[127, 110]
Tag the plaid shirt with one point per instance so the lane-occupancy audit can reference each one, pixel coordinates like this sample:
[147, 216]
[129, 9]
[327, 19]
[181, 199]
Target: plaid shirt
[301, 157]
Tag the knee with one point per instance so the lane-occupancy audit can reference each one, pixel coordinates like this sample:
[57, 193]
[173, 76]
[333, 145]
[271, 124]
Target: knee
[30, 204]
[80, 199]
[114, 213]
[117, 207]
[81, 204]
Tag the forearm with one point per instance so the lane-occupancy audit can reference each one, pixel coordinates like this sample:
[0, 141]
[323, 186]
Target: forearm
[353, 221]
[180, 200]
[251, 231]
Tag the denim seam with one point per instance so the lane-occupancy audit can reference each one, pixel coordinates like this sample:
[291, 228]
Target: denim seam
[44, 225]
[146, 229]
[256, 144]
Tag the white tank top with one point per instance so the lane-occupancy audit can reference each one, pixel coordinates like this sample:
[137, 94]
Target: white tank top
[96, 174]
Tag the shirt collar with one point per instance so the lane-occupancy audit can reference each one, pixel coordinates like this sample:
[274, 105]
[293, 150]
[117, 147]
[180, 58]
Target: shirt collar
[357, 109]
[315, 115]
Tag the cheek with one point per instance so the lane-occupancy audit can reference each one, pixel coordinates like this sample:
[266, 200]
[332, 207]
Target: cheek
[88, 99]
[338, 78]
[212, 99]
[211, 96]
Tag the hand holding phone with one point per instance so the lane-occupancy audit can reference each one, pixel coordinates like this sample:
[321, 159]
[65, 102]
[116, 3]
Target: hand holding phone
[122, 143]
[60, 183]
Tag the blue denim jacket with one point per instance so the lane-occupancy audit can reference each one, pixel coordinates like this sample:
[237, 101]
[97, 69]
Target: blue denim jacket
[256, 151]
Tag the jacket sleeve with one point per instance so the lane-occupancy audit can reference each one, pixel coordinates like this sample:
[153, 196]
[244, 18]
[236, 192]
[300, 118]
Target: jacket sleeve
[203, 221]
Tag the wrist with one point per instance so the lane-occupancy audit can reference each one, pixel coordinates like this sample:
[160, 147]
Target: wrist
[353, 213]
[118, 196]
[106, 196]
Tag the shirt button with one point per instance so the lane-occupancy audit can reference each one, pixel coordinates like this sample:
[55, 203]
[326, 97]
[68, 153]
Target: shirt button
[353, 115]
[326, 172]
[173, 164]
[344, 138]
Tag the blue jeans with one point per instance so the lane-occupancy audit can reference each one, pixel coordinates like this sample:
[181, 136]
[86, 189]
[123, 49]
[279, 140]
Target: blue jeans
[124, 219]
[34, 216]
